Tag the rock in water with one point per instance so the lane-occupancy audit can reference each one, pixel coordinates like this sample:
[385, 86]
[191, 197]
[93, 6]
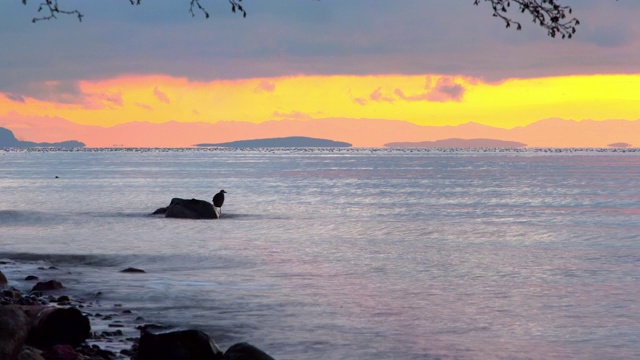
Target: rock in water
[47, 285]
[14, 329]
[3, 279]
[190, 209]
[160, 211]
[245, 351]
[162, 344]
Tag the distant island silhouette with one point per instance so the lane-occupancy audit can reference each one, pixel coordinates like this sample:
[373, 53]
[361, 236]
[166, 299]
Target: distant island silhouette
[620, 145]
[8, 140]
[291, 141]
[459, 143]
[364, 132]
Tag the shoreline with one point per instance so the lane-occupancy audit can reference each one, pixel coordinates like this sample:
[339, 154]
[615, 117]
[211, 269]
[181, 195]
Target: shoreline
[115, 330]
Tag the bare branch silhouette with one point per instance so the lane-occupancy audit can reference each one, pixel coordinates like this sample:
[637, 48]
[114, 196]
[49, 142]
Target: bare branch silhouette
[551, 15]
[52, 9]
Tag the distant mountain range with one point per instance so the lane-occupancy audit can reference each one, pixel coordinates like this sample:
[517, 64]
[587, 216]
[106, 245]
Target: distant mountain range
[553, 132]
[291, 141]
[8, 140]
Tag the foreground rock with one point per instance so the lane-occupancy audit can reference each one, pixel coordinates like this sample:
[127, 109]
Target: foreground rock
[188, 209]
[14, 329]
[61, 352]
[163, 344]
[245, 351]
[55, 326]
[30, 353]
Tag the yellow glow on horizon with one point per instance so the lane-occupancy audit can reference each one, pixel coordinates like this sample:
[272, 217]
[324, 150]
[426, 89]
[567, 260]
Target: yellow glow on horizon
[434, 100]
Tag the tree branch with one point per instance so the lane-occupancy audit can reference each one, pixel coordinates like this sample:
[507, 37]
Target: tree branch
[549, 14]
[51, 8]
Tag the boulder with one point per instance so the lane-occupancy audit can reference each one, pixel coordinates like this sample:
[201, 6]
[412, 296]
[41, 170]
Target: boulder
[3, 280]
[132, 270]
[11, 295]
[58, 326]
[29, 353]
[171, 344]
[245, 351]
[47, 285]
[14, 329]
[61, 352]
[189, 209]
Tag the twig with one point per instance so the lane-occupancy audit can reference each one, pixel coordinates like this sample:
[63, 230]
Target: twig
[549, 14]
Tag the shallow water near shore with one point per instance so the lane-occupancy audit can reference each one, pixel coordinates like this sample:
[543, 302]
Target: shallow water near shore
[346, 253]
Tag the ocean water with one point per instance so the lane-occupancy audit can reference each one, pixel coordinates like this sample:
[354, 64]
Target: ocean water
[347, 253]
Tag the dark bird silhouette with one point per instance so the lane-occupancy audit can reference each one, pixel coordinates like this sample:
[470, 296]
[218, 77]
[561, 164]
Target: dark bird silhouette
[218, 199]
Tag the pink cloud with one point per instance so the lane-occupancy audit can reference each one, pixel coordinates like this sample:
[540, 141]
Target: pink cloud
[144, 106]
[377, 96]
[96, 101]
[445, 89]
[114, 98]
[161, 96]
[360, 101]
[265, 86]
[418, 97]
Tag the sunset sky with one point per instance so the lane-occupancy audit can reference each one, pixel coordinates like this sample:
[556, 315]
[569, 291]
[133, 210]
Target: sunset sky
[429, 63]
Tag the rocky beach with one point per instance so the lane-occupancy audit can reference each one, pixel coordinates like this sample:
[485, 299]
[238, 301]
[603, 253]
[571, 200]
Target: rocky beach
[39, 319]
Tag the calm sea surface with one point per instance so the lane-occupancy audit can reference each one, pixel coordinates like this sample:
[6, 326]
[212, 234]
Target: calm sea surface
[348, 254]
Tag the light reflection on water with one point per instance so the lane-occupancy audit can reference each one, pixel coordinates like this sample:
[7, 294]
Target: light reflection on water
[350, 255]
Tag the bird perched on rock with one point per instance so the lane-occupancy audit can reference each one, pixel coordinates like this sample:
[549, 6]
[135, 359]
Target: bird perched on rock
[218, 200]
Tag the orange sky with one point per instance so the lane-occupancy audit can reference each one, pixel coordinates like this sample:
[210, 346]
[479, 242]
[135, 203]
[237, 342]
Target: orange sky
[432, 100]
[436, 64]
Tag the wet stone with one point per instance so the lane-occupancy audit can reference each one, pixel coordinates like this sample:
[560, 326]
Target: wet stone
[47, 285]
[127, 352]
